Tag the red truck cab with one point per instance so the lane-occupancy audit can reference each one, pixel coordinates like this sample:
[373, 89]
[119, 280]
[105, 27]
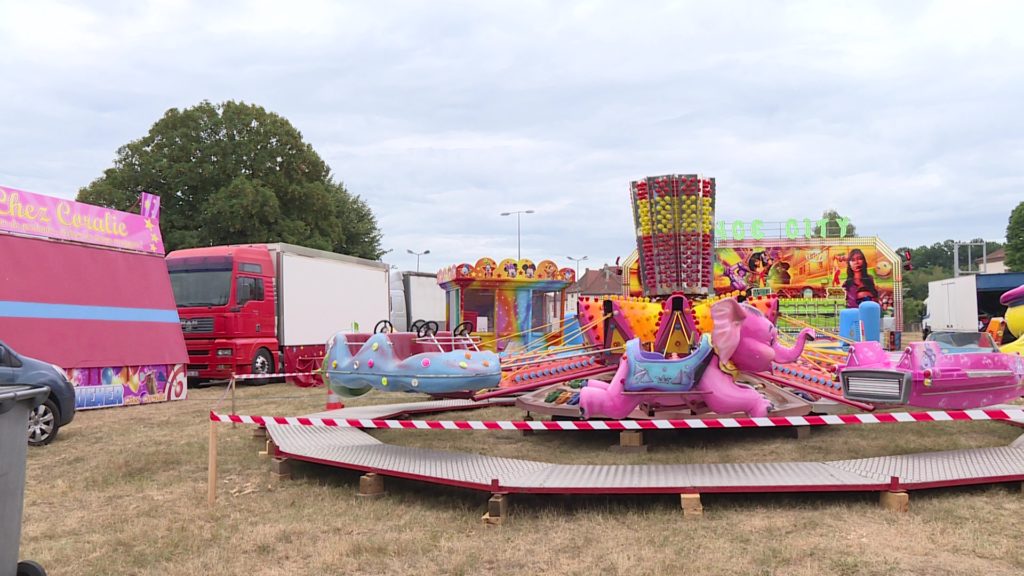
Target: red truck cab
[225, 299]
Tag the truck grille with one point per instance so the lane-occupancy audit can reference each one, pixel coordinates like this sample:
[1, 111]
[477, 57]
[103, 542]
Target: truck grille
[876, 385]
[194, 325]
[198, 352]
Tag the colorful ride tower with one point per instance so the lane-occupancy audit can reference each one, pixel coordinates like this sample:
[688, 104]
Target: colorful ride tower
[674, 217]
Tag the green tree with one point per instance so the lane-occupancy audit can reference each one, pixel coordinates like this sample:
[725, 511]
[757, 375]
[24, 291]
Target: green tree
[913, 310]
[915, 289]
[915, 282]
[235, 173]
[832, 228]
[1015, 240]
[940, 255]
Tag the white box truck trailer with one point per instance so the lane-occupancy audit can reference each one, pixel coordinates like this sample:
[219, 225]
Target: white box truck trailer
[416, 296]
[963, 302]
[953, 304]
[266, 308]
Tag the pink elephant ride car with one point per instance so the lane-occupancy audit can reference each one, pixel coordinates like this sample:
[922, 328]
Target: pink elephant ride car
[949, 370]
[708, 380]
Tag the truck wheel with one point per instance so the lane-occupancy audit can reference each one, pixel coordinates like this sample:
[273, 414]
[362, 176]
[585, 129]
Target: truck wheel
[43, 423]
[262, 363]
[30, 568]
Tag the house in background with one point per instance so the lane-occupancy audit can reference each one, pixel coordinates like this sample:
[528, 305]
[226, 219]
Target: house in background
[604, 281]
[994, 263]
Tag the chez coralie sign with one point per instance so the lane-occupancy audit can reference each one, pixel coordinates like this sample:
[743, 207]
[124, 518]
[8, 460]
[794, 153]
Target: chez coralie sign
[33, 214]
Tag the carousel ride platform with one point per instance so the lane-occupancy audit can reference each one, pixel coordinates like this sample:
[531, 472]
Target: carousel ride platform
[354, 449]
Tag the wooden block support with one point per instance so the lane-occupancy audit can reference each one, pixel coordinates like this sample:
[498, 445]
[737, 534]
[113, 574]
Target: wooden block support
[631, 438]
[801, 432]
[371, 485]
[497, 509]
[692, 507]
[630, 441]
[528, 418]
[259, 433]
[895, 501]
[280, 469]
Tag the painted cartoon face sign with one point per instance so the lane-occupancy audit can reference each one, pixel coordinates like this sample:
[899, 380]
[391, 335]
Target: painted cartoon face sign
[507, 269]
[758, 265]
[883, 269]
[485, 268]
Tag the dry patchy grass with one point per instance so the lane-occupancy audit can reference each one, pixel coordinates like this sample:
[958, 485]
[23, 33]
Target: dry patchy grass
[124, 492]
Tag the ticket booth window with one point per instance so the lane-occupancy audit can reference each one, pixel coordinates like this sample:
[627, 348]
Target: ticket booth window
[544, 310]
[481, 304]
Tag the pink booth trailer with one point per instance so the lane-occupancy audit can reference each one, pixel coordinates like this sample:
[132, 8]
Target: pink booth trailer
[86, 289]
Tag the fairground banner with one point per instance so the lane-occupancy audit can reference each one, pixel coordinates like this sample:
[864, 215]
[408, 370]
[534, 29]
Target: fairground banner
[854, 269]
[37, 215]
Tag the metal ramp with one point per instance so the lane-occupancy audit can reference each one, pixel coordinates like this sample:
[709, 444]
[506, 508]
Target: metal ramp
[354, 449]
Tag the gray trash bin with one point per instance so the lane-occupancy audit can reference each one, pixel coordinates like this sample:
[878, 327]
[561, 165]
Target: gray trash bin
[15, 404]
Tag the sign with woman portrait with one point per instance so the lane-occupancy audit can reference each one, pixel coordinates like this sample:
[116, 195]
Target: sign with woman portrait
[811, 268]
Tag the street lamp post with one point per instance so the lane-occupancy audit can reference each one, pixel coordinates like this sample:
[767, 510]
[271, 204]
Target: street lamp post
[519, 215]
[577, 261]
[418, 254]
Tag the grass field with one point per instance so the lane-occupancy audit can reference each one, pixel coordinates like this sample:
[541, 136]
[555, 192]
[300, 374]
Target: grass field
[123, 491]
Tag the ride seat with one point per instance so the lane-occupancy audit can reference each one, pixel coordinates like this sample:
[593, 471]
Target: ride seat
[404, 344]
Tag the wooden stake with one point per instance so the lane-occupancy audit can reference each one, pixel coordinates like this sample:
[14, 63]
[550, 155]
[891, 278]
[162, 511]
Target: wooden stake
[211, 479]
[231, 385]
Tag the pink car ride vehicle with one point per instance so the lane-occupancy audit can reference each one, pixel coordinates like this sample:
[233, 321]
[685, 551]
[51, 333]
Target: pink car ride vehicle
[949, 370]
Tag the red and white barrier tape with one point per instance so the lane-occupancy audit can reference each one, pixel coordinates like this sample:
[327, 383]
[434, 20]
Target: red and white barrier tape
[281, 375]
[1012, 414]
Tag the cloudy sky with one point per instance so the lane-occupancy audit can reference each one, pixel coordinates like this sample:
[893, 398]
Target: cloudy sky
[904, 116]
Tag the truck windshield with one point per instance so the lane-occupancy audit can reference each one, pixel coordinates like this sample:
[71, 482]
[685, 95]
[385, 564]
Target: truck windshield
[204, 281]
[201, 288]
